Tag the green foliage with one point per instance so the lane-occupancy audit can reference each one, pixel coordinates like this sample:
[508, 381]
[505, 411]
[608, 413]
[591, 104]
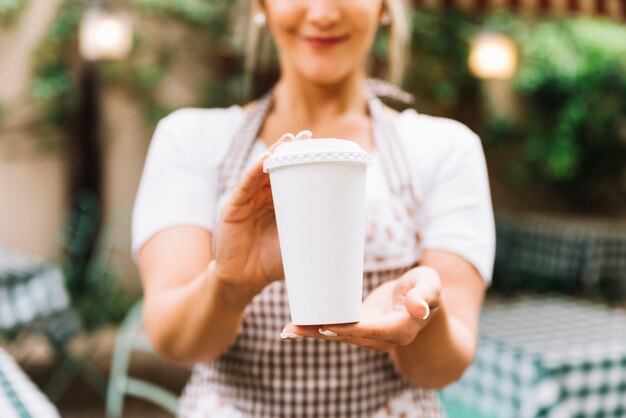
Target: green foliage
[212, 16]
[54, 83]
[438, 71]
[91, 274]
[199, 12]
[11, 9]
[95, 289]
[572, 79]
[142, 78]
[102, 299]
[440, 48]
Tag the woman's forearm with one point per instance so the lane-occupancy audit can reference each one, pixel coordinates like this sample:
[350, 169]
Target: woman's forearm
[439, 355]
[195, 322]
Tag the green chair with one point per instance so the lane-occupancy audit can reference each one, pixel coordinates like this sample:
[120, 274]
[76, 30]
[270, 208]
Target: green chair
[36, 295]
[132, 338]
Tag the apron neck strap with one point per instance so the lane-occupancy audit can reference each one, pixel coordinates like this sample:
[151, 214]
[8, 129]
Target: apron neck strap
[233, 165]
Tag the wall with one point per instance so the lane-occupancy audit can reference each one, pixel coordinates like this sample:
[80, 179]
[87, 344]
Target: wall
[31, 183]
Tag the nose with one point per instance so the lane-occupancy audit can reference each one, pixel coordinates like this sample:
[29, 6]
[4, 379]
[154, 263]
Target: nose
[323, 13]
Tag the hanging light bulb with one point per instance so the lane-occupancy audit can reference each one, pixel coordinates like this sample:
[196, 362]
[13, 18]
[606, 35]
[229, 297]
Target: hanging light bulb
[105, 34]
[493, 56]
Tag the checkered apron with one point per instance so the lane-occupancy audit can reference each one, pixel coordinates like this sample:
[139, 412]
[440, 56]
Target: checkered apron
[262, 375]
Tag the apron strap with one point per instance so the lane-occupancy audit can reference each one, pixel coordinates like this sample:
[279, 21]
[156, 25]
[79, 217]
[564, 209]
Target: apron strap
[392, 153]
[231, 168]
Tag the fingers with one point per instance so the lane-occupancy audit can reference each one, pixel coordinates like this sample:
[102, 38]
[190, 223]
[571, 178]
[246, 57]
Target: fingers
[288, 137]
[421, 288]
[296, 333]
[376, 345]
[304, 135]
[254, 179]
[285, 138]
[246, 193]
[394, 329]
[424, 297]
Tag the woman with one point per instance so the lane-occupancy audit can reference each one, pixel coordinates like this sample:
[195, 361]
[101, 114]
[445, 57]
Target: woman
[205, 238]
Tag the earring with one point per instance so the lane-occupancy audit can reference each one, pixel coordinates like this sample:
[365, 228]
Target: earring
[259, 19]
[385, 19]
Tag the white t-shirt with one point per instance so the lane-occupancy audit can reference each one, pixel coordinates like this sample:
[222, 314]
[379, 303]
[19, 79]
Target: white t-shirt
[179, 181]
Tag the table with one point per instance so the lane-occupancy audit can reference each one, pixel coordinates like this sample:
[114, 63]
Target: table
[549, 357]
[540, 252]
[19, 397]
[30, 288]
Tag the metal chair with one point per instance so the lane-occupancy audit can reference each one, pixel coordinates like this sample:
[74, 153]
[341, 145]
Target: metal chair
[34, 297]
[132, 338]
[106, 268]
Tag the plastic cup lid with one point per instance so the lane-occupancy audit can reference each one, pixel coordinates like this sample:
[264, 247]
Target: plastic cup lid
[314, 151]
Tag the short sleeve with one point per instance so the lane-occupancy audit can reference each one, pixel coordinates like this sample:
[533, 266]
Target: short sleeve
[178, 185]
[452, 185]
[457, 213]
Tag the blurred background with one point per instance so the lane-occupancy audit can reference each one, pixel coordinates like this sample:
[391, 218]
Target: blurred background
[83, 83]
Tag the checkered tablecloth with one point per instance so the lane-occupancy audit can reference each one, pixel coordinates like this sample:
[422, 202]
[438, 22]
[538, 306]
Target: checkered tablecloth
[547, 357]
[19, 397]
[565, 252]
[30, 288]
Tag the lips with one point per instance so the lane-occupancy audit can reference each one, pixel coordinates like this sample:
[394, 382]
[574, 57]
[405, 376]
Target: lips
[325, 41]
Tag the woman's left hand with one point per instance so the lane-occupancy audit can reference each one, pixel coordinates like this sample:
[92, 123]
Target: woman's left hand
[392, 314]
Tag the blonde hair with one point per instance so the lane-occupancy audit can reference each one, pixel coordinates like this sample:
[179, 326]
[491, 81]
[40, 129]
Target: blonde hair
[399, 41]
[258, 42]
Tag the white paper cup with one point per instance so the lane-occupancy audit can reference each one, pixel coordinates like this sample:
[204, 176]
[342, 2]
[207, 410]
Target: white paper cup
[318, 187]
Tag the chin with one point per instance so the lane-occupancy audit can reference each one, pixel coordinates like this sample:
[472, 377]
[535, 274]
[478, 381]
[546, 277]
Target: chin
[326, 75]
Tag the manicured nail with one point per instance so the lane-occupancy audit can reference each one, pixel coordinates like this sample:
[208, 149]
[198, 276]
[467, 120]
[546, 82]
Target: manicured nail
[328, 332]
[304, 135]
[425, 305]
[290, 336]
[285, 136]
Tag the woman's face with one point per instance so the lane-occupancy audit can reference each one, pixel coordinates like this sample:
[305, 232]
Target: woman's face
[324, 41]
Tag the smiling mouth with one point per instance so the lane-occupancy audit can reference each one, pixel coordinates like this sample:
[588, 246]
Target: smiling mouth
[325, 41]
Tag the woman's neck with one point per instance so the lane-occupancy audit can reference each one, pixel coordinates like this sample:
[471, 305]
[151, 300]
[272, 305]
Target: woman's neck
[316, 103]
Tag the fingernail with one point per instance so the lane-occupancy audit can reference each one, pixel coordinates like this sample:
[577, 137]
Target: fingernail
[328, 332]
[290, 336]
[306, 134]
[285, 136]
[425, 305]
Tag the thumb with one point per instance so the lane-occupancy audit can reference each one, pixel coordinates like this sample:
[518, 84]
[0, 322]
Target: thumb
[425, 297]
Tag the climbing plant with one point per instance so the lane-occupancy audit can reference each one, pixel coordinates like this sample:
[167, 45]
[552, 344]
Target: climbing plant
[437, 70]
[572, 83]
[54, 83]
[10, 10]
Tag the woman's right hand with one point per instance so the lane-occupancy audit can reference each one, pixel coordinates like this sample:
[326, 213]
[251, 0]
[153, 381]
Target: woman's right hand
[247, 251]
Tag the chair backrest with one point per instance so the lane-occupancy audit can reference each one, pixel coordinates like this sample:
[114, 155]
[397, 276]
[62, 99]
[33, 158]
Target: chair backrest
[131, 338]
[79, 237]
[109, 266]
[30, 289]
